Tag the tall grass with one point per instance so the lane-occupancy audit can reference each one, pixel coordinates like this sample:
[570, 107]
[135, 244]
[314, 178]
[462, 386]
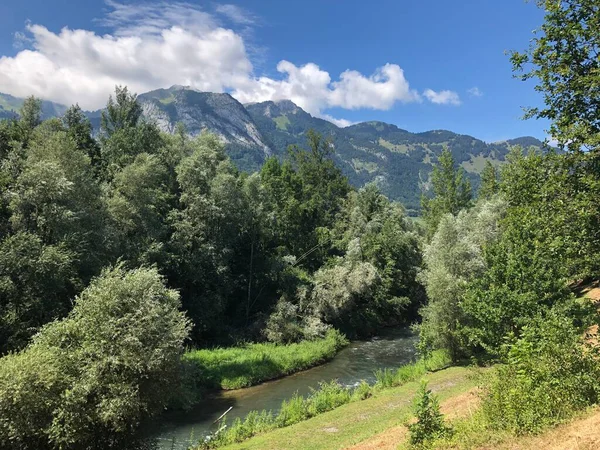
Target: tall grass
[386, 378]
[329, 396]
[243, 366]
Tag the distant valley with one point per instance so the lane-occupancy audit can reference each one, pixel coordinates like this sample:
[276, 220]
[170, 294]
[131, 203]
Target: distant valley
[399, 161]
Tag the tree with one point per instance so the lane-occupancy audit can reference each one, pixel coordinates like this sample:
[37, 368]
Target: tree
[453, 258]
[37, 283]
[124, 133]
[372, 229]
[139, 203]
[79, 128]
[56, 197]
[489, 182]
[207, 234]
[563, 58]
[343, 295]
[30, 113]
[122, 112]
[111, 363]
[451, 191]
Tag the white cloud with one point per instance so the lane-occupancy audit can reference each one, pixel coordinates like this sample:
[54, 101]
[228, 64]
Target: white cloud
[163, 43]
[311, 88]
[475, 92]
[236, 14]
[20, 40]
[442, 97]
[342, 123]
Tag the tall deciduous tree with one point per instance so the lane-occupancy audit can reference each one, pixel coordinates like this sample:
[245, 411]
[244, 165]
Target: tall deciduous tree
[563, 58]
[124, 133]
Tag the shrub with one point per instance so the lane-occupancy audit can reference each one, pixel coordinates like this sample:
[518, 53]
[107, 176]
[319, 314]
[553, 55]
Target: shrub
[551, 372]
[362, 392]
[87, 381]
[327, 397]
[430, 423]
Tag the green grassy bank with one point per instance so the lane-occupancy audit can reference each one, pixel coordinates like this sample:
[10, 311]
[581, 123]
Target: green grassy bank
[329, 397]
[250, 364]
[357, 421]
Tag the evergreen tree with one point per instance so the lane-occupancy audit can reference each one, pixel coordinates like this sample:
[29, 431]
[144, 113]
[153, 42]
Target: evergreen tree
[489, 182]
[451, 191]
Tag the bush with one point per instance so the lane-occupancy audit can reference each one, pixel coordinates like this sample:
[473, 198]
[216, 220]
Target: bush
[87, 381]
[551, 373]
[430, 421]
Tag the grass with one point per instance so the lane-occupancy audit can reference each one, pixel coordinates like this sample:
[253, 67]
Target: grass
[398, 148]
[282, 122]
[357, 421]
[327, 398]
[250, 364]
[387, 378]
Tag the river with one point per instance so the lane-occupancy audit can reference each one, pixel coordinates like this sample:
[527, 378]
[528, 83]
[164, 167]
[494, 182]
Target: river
[358, 361]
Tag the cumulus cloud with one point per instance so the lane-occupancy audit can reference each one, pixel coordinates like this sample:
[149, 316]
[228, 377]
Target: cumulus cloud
[475, 92]
[442, 97]
[312, 89]
[163, 43]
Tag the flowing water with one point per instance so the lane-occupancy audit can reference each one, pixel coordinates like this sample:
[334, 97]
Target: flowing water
[358, 361]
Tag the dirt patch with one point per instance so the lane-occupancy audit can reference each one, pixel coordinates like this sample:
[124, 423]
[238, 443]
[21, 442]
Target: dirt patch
[462, 405]
[330, 430]
[388, 440]
[454, 407]
[581, 434]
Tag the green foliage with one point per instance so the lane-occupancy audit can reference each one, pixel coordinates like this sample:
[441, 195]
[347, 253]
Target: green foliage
[30, 114]
[489, 182]
[453, 258]
[436, 360]
[451, 191]
[79, 128]
[327, 397]
[89, 379]
[430, 423]
[344, 293]
[296, 409]
[139, 205]
[376, 231]
[550, 373]
[548, 240]
[237, 367]
[124, 134]
[36, 281]
[563, 58]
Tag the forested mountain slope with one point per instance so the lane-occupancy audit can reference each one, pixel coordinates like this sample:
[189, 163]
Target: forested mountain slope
[398, 161]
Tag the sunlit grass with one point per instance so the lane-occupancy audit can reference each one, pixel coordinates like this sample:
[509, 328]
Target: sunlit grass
[250, 364]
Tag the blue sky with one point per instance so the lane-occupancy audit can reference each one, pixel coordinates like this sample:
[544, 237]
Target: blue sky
[429, 64]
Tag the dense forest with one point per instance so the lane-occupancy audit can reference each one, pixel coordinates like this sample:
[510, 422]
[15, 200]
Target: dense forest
[104, 240]
[118, 251]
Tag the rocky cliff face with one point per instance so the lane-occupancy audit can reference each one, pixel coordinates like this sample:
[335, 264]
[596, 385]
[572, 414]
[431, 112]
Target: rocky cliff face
[198, 111]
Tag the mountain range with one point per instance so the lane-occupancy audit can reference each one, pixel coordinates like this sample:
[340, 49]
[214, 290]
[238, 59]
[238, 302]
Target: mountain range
[400, 162]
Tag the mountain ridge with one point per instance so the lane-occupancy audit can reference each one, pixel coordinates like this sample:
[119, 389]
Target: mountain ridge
[397, 160]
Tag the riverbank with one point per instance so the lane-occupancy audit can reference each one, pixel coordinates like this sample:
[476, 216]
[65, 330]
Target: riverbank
[329, 396]
[360, 421]
[251, 364]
